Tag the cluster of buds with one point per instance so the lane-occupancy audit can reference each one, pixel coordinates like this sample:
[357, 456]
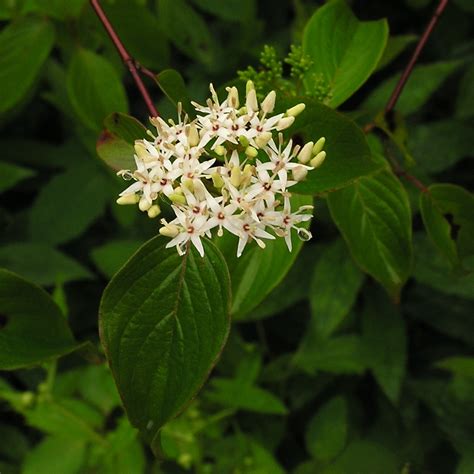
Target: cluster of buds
[229, 169]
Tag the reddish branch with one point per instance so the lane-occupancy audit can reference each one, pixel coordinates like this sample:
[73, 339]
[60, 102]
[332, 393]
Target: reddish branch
[399, 171]
[134, 67]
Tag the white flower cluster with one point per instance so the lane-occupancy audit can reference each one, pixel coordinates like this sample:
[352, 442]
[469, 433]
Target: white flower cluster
[227, 169]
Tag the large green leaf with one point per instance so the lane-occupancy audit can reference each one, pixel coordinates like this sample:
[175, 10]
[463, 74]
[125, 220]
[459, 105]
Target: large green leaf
[115, 152]
[33, 328]
[173, 86]
[326, 434]
[126, 127]
[348, 153]
[163, 321]
[94, 88]
[112, 255]
[69, 203]
[258, 270]
[423, 82]
[373, 214]
[231, 10]
[334, 287]
[344, 50]
[11, 174]
[385, 343]
[24, 46]
[41, 263]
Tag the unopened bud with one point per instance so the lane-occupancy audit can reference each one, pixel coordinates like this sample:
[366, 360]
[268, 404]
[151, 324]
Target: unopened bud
[219, 150]
[243, 140]
[144, 204]
[247, 174]
[141, 151]
[318, 159]
[169, 230]
[299, 173]
[193, 135]
[251, 102]
[319, 145]
[235, 176]
[268, 103]
[154, 211]
[27, 399]
[217, 180]
[306, 152]
[251, 152]
[233, 98]
[177, 198]
[284, 123]
[128, 199]
[295, 110]
[187, 183]
[249, 86]
[262, 139]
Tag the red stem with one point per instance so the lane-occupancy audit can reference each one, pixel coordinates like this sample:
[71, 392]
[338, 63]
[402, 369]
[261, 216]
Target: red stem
[414, 58]
[128, 60]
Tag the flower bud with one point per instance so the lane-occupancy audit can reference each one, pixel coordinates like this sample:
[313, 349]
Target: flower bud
[268, 103]
[295, 110]
[299, 173]
[177, 198]
[219, 150]
[193, 135]
[154, 211]
[217, 180]
[169, 230]
[319, 145]
[243, 140]
[233, 97]
[249, 86]
[251, 152]
[262, 139]
[235, 176]
[141, 151]
[144, 204]
[251, 102]
[318, 159]
[305, 154]
[284, 123]
[128, 199]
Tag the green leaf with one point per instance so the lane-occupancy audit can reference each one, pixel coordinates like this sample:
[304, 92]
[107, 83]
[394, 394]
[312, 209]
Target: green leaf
[115, 152]
[58, 9]
[112, 255]
[465, 98]
[94, 88]
[334, 287]
[19, 70]
[348, 153]
[233, 11]
[11, 174]
[233, 393]
[41, 263]
[177, 304]
[459, 365]
[423, 82]
[344, 50]
[395, 46]
[55, 454]
[69, 203]
[173, 86]
[140, 31]
[14, 444]
[258, 270]
[340, 355]
[374, 213]
[385, 343]
[126, 127]
[437, 146]
[33, 327]
[186, 29]
[326, 433]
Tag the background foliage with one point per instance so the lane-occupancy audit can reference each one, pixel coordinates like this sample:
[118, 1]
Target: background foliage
[354, 355]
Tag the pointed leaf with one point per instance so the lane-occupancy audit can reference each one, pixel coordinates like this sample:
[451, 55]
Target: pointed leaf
[163, 321]
[126, 127]
[116, 152]
[172, 84]
[11, 174]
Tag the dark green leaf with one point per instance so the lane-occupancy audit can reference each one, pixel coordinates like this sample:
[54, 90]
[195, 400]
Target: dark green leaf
[373, 214]
[126, 127]
[69, 203]
[177, 304]
[10, 175]
[59, 9]
[18, 71]
[334, 287]
[344, 50]
[326, 433]
[395, 46]
[385, 343]
[172, 84]
[94, 88]
[112, 255]
[230, 10]
[116, 153]
[33, 328]
[348, 154]
[423, 82]
[41, 263]
[465, 99]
